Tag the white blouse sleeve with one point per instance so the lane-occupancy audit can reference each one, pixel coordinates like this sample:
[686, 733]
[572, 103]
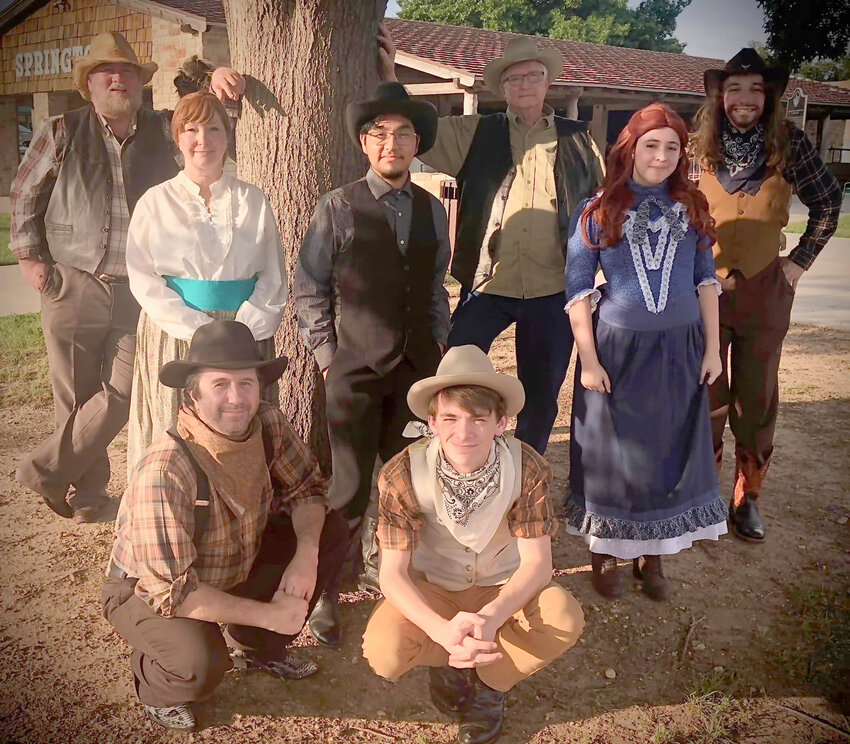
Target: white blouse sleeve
[263, 310]
[163, 305]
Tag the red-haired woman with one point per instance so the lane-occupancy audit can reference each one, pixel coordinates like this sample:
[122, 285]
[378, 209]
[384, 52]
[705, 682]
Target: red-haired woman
[642, 476]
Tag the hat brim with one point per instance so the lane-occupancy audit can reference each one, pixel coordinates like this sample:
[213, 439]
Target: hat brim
[84, 65]
[551, 59]
[776, 76]
[510, 388]
[174, 374]
[422, 114]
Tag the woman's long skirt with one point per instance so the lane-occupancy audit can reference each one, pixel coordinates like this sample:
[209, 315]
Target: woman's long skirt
[153, 406]
[642, 471]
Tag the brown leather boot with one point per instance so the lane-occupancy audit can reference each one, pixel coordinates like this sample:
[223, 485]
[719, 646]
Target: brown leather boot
[606, 580]
[743, 510]
[648, 569]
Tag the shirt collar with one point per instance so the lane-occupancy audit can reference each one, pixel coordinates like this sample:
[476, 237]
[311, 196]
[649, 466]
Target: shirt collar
[217, 187]
[548, 119]
[379, 187]
[130, 132]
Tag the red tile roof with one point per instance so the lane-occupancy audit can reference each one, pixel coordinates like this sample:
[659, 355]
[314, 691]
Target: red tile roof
[596, 65]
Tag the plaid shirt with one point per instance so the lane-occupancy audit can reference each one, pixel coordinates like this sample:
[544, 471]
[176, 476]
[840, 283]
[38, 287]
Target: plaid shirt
[399, 518]
[818, 190]
[34, 184]
[156, 521]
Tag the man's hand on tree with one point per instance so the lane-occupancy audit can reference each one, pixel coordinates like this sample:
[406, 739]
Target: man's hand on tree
[34, 272]
[286, 614]
[227, 84]
[299, 578]
[386, 54]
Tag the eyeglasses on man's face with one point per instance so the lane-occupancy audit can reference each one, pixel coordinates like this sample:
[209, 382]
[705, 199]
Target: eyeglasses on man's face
[531, 77]
[382, 136]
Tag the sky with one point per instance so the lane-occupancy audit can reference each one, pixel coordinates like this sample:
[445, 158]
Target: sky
[708, 28]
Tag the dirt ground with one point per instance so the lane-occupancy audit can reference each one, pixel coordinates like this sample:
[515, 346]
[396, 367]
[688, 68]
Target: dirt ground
[730, 636]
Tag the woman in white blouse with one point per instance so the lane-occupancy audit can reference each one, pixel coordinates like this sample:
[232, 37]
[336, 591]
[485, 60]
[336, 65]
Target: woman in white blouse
[201, 246]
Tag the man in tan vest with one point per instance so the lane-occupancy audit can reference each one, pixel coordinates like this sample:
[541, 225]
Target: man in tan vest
[467, 508]
[752, 160]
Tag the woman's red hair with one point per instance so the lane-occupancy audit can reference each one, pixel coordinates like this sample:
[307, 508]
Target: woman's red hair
[609, 209]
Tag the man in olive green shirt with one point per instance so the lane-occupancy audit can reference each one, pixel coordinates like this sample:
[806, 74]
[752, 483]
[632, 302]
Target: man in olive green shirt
[521, 174]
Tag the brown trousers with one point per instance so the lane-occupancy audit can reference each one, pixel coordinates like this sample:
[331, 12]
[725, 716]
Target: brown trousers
[90, 334]
[754, 319]
[545, 628]
[177, 660]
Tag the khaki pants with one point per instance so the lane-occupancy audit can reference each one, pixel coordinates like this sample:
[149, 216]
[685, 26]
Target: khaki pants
[546, 627]
[90, 333]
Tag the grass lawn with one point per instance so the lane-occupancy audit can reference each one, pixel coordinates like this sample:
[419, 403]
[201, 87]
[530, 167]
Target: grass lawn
[24, 374]
[6, 256]
[843, 230]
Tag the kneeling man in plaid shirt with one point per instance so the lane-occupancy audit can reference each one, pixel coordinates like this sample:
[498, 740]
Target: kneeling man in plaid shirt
[224, 521]
[465, 527]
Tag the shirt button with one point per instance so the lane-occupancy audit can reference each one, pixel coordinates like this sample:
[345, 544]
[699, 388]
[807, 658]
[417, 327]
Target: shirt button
[469, 568]
[401, 242]
[400, 214]
[105, 229]
[103, 247]
[468, 550]
[740, 211]
[107, 211]
[468, 580]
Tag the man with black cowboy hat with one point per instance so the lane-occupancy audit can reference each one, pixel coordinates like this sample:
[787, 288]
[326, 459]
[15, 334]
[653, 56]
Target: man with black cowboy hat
[465, 528]
[521, 174]
[371, 305]
[71, 201]
[223, 522]
[752, 159]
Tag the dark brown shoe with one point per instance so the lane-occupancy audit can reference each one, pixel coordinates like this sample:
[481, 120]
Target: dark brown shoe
[481, 722]
[746, 520]
[648, 569]
[450, 688]
[606, 580]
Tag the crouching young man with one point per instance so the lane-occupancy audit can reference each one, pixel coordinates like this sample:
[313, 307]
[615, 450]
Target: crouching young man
[223, 522]
[465, 527]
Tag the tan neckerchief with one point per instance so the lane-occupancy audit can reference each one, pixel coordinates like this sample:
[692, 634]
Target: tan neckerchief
[236, 470]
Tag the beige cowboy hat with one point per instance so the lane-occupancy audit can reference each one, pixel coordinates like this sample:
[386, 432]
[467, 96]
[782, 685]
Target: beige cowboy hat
[465, 365]
[521, 49]
[108, 48]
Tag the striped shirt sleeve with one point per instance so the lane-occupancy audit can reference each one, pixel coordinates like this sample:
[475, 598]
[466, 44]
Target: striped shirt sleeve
[399, 517]
[533, 514]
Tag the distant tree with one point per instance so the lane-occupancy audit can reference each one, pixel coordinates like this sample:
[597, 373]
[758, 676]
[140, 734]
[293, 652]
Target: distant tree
[649, 26]
[799, 31]
[826, 69]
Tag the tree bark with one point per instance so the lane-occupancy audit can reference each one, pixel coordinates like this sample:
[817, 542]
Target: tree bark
[305, 60]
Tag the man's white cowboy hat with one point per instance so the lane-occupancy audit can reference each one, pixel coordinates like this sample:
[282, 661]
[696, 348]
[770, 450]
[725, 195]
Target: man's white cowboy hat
[466, 365]
[521, 49]
[109, 48]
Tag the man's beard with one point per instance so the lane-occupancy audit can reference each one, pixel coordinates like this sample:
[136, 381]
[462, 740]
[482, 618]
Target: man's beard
[117, 107]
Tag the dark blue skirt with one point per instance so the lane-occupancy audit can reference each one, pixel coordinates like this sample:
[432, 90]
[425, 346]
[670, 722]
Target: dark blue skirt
[642, 472]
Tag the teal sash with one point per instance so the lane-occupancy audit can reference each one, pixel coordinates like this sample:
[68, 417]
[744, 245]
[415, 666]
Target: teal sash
[209, 296]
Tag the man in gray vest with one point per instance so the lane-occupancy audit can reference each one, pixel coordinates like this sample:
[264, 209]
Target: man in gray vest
[520, 175]
[71, 204]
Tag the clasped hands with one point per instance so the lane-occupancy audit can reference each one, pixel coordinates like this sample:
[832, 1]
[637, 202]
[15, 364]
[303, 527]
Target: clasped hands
[290, 601]
[469, 640]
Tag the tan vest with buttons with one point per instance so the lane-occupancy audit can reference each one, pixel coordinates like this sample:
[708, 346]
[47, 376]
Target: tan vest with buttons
[442, 559]
[749, 228]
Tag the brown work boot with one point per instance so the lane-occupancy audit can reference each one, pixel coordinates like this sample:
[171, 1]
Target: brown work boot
[606, 580]
[743, 509]
[648, 569]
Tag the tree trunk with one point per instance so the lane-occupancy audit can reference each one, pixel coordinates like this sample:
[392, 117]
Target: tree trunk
[305, 60]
